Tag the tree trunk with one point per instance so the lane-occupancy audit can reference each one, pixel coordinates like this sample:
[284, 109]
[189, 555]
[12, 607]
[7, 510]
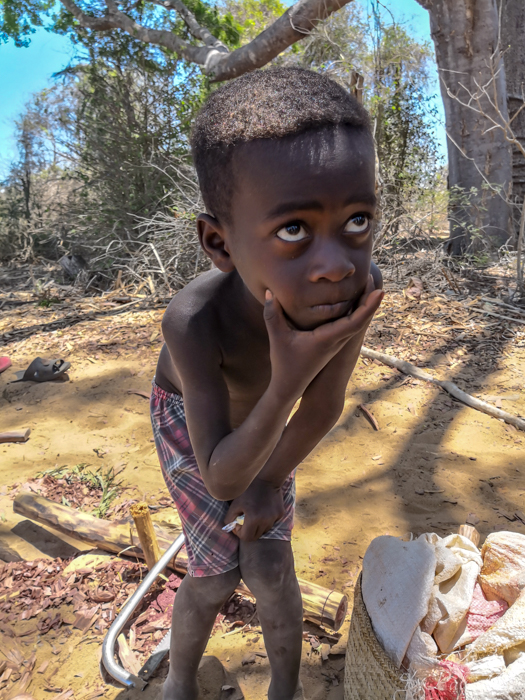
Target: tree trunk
[513, 44]
[465, 34]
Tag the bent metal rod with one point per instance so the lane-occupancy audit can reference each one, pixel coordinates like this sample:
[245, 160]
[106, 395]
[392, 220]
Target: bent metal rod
[129, 680]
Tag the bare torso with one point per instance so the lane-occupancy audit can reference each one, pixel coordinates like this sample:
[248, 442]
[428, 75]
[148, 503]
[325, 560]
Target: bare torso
[236, 328]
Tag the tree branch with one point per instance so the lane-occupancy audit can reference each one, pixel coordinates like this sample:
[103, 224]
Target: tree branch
[298, 21]
[194, 27]
[98, 24]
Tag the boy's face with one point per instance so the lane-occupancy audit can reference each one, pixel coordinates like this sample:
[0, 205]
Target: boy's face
[302, 221]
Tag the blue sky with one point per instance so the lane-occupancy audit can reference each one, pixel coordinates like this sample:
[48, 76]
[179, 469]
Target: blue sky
[24, 71]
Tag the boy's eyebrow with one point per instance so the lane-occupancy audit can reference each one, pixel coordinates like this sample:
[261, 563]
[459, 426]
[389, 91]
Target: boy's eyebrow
[288, 207]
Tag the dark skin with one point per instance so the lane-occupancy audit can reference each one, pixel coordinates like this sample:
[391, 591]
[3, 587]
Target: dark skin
[282, 317]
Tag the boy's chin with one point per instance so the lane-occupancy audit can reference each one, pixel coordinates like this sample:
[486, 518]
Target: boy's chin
[304, 325]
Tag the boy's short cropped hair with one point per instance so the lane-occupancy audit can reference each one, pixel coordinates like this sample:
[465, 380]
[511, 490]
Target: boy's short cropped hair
[274, 103]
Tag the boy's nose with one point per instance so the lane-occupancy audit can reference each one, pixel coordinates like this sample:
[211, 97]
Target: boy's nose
[331, 262]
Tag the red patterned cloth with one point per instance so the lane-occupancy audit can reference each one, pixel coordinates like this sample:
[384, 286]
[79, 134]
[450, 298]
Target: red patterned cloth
[210, 550]
[448, 683]
[483, 613]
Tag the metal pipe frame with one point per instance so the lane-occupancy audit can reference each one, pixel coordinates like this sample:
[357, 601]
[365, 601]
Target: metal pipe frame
[129, 680]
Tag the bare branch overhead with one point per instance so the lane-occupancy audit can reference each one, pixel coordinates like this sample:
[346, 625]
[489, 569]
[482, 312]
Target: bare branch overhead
[219, 63]
[194, 27]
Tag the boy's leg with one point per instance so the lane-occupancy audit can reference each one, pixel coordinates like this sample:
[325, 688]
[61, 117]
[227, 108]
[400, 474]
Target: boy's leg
[196, 606]
[267, 568]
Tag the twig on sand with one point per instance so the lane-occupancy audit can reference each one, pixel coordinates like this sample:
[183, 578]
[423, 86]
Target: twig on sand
[501, 316]
[370, 417]
[450, 387]
[138, 392]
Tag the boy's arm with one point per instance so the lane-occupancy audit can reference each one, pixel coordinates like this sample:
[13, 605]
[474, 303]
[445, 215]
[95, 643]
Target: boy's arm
[217, 447]
[321, 406]
[229, 460]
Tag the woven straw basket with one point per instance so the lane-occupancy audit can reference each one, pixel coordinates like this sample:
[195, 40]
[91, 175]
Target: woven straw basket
[369, 673]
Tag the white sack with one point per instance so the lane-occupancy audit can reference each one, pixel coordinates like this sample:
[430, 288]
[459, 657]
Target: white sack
[510, 655]
[422, 651]
[510, 685]
[458, 565]
[396, 585]
[485, 668]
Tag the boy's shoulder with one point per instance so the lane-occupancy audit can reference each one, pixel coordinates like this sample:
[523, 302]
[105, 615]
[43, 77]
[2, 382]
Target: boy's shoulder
[197, 307]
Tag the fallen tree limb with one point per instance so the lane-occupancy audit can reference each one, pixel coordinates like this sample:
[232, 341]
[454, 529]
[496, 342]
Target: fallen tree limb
[450, 387]
[322, 606]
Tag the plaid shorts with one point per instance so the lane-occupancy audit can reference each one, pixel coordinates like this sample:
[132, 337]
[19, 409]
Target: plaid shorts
[210, 550]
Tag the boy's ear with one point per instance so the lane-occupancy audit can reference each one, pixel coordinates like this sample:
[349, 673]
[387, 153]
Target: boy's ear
[213, 242]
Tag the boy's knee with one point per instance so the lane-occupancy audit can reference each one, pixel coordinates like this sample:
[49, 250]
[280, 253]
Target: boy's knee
[216, 589]
[267, 565]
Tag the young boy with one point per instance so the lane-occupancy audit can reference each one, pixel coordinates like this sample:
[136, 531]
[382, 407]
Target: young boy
[285, 160]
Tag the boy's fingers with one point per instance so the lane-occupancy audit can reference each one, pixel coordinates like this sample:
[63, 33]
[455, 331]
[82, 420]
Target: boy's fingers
[356, 321]
[233, 512]
[370, 287]
[273, 311]
[246, 532]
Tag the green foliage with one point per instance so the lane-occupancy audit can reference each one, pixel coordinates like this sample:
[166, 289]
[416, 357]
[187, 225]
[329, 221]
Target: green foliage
[94, 150]
[47, 303]
[223, 26]
[104, 480]
[18, 19]
[253, 16]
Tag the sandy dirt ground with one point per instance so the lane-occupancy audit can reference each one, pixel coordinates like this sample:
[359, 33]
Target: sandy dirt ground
[432, 463]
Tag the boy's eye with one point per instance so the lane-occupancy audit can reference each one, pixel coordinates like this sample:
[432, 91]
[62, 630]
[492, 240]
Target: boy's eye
[358, 224]
[292, 232]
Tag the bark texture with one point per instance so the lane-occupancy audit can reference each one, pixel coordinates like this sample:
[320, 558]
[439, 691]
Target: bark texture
[513, 44]
[465, 34]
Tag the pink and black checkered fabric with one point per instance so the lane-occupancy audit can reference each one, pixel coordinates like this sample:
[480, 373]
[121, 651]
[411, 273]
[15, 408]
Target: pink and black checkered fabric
[483, 613]
[210, 550]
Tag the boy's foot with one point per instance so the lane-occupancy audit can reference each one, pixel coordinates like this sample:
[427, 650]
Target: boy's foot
[172, 690]
[299, 693]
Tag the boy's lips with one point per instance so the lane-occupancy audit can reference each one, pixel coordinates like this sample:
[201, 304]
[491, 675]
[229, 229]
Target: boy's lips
[331, 310]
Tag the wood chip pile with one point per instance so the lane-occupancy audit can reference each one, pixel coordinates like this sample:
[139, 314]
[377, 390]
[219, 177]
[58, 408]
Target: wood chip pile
[39, 600]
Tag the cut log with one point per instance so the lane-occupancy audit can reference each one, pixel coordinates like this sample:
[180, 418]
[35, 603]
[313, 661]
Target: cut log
[470, 532]
[147, 536]
[16, 436]
[323, 606]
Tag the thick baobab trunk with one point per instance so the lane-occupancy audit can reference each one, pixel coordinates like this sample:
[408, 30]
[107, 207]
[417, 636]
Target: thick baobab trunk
[513, 44]
[465, 34]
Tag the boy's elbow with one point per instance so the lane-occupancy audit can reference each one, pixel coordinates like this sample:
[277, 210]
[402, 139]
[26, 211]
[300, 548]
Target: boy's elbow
[222, 491]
